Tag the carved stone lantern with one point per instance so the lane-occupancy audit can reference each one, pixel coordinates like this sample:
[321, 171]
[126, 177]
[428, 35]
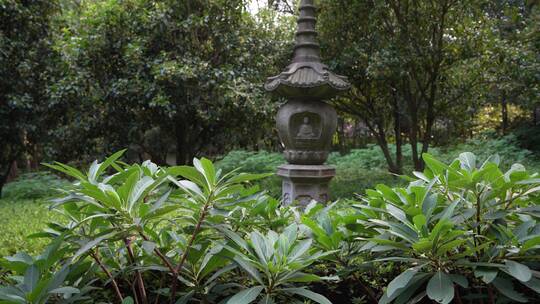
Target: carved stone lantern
[306, 124]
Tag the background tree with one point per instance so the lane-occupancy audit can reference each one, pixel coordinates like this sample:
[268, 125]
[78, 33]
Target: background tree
[187, 74]
[512, 79]
[25, 68]
[401, 57]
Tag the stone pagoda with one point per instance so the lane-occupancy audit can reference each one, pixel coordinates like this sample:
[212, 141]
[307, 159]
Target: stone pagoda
[306, 123]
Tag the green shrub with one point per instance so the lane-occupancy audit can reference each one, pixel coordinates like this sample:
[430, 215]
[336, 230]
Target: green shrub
[34, 185]
[250, 161]
[193, 230]
[465, 230]
[528, 136]
[506, 147]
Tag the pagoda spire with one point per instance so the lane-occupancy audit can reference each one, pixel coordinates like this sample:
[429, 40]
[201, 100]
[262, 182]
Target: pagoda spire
[307, 48]
[307, 77]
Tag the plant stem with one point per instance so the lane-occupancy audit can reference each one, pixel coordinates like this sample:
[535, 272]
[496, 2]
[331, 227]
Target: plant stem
[202, 216]
[490, 295]
[457, 295]
[160, 286]
[366, 289]
[96, 258]
[160, 255]
[140, 281]
[481, 298]
[136, 298]
[478, 220]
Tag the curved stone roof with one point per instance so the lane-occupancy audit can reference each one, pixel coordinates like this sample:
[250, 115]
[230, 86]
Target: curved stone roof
[306, 81]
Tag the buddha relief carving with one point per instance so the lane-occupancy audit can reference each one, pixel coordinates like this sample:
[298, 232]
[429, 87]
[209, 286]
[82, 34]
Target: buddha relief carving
[306, 130]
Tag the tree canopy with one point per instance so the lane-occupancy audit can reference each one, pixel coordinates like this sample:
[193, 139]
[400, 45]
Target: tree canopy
[170, 80]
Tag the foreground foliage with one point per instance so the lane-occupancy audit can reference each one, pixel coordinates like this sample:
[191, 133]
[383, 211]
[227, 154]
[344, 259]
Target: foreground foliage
[193, 234]
[460, 227]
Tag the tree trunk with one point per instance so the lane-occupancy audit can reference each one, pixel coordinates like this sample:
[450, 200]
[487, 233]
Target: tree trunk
[13, 173]
[399, 140]
[504, 108]
[355, 135]
[183, 151]
[413, 137]
[341, 136]
[380, 136]
[4, 176]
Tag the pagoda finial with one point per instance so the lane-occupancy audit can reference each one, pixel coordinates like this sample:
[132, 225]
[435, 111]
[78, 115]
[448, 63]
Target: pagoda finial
[307, 48]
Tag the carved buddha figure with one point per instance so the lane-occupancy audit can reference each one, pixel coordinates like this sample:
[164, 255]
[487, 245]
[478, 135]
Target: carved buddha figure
[306, 130]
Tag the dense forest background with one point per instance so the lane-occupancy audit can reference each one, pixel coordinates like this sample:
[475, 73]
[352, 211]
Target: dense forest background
[170, 80]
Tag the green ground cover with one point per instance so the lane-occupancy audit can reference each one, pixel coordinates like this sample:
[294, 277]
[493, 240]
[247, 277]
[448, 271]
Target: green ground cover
[20, 218]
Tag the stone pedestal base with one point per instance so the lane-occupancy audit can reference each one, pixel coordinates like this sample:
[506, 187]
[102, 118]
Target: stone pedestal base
[304, 183]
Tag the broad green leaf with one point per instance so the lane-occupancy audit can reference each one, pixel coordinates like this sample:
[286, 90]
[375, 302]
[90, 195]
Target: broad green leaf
[235, 238]
[398, 214]
[299, 250]
[109, 161]
[65, 290]
[388, 193]
[303, 278]
[187, 172]
[308, 294]
[518, 271]
[21, 257]
[246, 296]
[401, 280]
[209, 170]
[423, 245]
[70, 171]
[533, 284]
[405, 294]
[507, 289]
[141, 187]
[433, 164]
[419, 221]
[31, 277]
[460, 280]
[385, 242]
[452, 245]
[259, 245]
[157, 205]
[440, 288]
[534, 242]
[91, 244]
[252, 271]
[185, 298]
[468, 161]
[128, 300]
[149, 247]
[188, 186]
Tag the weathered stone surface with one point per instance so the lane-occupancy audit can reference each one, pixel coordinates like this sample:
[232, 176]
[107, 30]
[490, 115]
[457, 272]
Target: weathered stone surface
[306, 129]
[303, 184]
[306, 124]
